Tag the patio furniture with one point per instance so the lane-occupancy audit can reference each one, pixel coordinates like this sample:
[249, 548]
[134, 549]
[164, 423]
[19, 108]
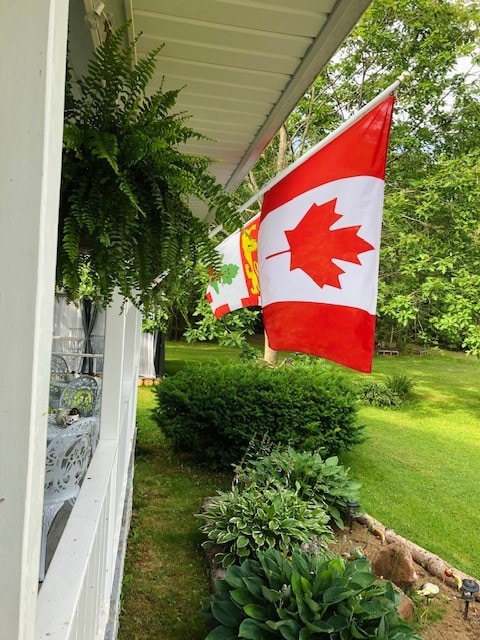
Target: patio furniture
[58, 367]
[82, 393]
[90, 424]
[68, 456]
[71, 348]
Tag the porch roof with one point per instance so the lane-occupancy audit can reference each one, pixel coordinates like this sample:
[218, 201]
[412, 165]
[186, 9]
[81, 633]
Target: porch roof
[243, 64]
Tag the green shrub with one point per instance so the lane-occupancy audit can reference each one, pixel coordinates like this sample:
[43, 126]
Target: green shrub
[307, 473]
[400, 384]
[214, 411]
[396, 388]
[255, 518]
[377, 394]
[305, 597]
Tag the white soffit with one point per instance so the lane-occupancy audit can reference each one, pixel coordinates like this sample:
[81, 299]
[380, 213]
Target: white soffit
[243, 65]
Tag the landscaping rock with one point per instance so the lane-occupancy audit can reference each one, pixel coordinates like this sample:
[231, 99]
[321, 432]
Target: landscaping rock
[406, 609]
[394, 562]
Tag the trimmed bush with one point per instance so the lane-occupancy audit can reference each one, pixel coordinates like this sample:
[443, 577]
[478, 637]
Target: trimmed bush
[215, 411]
[303, 597]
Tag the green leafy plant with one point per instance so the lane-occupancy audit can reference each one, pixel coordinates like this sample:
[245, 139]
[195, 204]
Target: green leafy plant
[126, 185]
[229, 331]
[307, 473]
[377, 394]
[305, 597]
[255, 518]
[391, 393]
[401, 384]
[214, 411]
[249, 353]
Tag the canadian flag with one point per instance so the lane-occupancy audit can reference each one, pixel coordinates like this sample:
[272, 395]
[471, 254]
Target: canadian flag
[236, 285]
[319, 244]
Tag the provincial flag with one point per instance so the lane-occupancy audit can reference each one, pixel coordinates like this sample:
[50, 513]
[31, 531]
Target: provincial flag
[319, 245]
[236, 284]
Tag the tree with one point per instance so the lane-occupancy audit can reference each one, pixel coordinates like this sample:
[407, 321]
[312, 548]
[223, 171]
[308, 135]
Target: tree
[431, 256]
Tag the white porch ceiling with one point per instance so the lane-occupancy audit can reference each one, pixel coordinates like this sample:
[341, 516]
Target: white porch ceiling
[243, 64]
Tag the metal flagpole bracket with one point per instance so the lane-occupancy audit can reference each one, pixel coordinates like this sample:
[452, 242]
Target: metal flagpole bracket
[405, 75]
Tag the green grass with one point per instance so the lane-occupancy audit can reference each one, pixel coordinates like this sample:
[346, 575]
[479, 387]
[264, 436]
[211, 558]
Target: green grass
[418, 468]
[419, 465]
[180, 354]
[166, 578]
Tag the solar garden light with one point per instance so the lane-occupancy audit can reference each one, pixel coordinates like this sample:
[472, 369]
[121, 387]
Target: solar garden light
[352, 511]
[469, 589]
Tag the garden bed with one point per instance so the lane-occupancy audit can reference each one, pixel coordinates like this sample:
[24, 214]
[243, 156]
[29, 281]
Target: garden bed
[444, 616]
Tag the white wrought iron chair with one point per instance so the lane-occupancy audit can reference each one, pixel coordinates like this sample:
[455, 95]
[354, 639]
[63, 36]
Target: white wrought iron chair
[81, 393]
[58, 369]
[68, 456]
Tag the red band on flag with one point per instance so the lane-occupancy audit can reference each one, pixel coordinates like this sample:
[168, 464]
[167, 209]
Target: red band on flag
[342, 334]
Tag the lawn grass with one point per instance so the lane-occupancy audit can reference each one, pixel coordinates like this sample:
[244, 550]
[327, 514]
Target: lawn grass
[181, 354]
[166, 578]
[420, 463]
[418, 468]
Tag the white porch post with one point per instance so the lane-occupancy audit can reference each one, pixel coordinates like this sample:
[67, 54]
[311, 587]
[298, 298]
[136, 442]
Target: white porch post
[122, 329]
[32, 78]
[113, 357]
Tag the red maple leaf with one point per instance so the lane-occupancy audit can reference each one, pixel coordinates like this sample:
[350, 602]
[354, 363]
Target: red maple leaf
[313, 244]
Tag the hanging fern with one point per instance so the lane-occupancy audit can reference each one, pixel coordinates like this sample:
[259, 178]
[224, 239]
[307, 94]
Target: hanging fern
[124, 210]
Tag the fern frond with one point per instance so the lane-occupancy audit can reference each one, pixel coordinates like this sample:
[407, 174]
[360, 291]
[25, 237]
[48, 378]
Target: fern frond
[104, 145]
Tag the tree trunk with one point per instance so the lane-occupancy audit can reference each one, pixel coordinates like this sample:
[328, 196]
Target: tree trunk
[270, 356]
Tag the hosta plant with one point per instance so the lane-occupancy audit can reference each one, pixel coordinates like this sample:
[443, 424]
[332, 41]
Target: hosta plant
[307, 473]
[256, 518]
[305, 597]
[377, 394]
